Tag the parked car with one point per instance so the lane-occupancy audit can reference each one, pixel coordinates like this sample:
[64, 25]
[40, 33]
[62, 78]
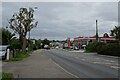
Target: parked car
[57, 47]
[76, 48]
[83, 46]
[46, 47]
[3, 52]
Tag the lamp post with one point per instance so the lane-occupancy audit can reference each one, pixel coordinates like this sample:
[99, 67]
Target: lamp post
[32, 10]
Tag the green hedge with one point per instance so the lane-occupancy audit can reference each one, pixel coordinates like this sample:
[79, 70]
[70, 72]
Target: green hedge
[93, 46]
[112, 49]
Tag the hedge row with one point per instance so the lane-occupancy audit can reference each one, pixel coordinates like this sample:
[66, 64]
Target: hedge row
[112, 49]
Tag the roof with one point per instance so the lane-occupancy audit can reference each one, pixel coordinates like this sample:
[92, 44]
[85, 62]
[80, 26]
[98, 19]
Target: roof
[94, 37]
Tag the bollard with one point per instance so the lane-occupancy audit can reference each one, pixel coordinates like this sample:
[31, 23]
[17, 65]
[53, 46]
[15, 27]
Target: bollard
[8, 52]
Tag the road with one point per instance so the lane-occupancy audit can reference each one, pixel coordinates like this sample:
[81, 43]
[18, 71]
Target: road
[59, 63]
[85, 65]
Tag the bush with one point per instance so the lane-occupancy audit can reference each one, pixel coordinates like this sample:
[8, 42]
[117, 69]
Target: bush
[15, 44]
[100, 45]
[92, 47]
[112, 49]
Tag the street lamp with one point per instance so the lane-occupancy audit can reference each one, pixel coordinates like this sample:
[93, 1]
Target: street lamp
[32, 10]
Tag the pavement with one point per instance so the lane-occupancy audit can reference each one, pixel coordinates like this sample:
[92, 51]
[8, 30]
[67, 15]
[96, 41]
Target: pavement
[38, 65]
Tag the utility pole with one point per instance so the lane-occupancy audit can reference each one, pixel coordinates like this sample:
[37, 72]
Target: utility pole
[97, 30]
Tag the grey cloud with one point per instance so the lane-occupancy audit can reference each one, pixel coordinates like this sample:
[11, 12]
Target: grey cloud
[59, 20]
[109, 12]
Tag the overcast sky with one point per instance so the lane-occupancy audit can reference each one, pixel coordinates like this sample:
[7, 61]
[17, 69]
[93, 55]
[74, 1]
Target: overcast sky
[59, 20]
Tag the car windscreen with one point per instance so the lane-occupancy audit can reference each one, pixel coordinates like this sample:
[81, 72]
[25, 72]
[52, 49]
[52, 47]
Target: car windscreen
[3, 48]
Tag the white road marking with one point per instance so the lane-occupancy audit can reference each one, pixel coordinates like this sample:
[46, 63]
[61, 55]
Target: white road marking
[64, 69]
[115, 67]
[83, 59]
[97, 58]
[77, 51]
[106, 60]
[109, 56]
[107, 63]
[96, 62]
[112, 61]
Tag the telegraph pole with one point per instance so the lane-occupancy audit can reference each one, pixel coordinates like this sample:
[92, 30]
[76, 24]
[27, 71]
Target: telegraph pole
[97, 30]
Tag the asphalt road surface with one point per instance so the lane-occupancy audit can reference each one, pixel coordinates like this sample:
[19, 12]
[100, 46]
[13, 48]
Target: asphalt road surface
[85, 65]
[37, 65]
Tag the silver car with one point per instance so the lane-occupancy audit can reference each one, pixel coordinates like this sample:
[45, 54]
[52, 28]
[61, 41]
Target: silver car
[3, 52]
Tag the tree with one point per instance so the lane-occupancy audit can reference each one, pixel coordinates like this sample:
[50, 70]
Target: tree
[36, 44]
[21, 23]
[116, 33]
[46, 41]
[15, 44]
[105, 35]
[7, 36]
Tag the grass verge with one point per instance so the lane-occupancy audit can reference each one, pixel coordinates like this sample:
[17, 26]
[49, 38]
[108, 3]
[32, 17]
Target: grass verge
[20, 56]
[6, 76]
[87, 51]
[68, 49]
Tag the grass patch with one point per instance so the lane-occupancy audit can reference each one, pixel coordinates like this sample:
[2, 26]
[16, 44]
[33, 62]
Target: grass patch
[20, 56]
[68, 49]
[87, 51]
[6, 76]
